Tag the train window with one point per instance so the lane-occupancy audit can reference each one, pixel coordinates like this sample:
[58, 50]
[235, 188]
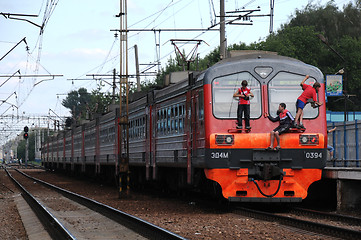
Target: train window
[143, 127]
[285, 87]
[176, 110]
[181, 125]
[162, 127]
[168, 125]
[223, 88]
[168, 113]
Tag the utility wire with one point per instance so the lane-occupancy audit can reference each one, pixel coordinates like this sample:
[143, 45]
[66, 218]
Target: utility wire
[170, 4]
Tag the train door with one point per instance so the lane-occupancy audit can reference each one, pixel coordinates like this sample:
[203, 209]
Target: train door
[193, 136]
[197, 132]
[154, 134]
[198, 140]
[148, 137]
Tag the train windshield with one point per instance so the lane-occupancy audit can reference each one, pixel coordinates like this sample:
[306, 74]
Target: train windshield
[285, 87]
[223, 88]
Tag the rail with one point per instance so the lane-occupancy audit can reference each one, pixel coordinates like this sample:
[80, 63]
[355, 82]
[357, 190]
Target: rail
[55, 229]
[144, 228]
[330, 230]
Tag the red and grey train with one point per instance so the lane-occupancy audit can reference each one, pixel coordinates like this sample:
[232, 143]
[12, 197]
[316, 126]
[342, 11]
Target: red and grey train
[184, 135]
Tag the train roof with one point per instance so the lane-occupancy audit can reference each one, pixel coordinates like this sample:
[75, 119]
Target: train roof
[254, 54]
[249, 60]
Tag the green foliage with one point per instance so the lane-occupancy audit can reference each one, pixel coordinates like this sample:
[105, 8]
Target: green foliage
[77, 102]
[342, 30]
[100, 101]
[22, 146]
[83, 105]
[21, 150]
[299, 42]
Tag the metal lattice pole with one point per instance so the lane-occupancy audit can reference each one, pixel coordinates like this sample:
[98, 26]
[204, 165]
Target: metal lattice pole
[123, 163]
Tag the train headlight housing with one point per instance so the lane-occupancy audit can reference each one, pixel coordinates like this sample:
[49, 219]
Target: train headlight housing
[224, 139]
[312, 139]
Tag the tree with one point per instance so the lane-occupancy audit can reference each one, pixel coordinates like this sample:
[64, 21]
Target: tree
[84, 105]
[22, 148]
[100, 101]
[342, 30]
[77, 102]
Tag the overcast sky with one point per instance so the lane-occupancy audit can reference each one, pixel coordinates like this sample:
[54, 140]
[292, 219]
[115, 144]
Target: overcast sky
[77, 41]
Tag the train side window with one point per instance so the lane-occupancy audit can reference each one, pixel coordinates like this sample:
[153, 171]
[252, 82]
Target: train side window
[223, 88]
[168, 125]
[143, 127]
[176, 125]
[285, 87]
[181, 125]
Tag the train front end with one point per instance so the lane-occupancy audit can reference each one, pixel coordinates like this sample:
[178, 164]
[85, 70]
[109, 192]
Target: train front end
[238, 160]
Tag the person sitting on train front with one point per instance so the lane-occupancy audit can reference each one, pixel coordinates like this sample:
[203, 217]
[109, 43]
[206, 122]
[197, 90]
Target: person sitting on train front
[309, 92]
[243, 105]
[286, 121]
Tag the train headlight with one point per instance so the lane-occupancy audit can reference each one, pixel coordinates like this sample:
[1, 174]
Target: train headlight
[224, 139]
[309, 139]
[229, 139]
[303, 139]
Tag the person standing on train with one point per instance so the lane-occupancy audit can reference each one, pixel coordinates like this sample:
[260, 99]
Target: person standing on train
[286, 121]
[309, 92]
[243, 93]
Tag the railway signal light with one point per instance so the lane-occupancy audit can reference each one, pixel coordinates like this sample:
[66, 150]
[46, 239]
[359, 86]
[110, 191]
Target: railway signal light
[26, 134]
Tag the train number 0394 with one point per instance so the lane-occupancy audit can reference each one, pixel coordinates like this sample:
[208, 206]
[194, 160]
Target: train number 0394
[313, 155]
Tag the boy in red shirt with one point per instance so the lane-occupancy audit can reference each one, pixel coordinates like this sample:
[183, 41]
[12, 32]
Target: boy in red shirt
[309, 92]
[243, 105]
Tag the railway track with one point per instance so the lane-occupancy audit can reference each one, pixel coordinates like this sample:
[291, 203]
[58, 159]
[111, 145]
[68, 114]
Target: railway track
[333, 217]
[66, 215]
[312, 224]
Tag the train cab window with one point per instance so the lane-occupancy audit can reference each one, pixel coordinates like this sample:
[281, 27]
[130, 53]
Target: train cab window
[285, 87]
[223, 88]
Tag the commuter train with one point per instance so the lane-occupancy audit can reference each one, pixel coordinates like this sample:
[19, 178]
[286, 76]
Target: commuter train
[184, 135]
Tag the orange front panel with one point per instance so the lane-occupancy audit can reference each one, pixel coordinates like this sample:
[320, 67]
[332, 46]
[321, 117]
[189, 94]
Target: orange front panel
[236, 181]
[262, 140]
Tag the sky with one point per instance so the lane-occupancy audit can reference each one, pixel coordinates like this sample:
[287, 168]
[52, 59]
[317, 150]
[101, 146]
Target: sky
[77, 40]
